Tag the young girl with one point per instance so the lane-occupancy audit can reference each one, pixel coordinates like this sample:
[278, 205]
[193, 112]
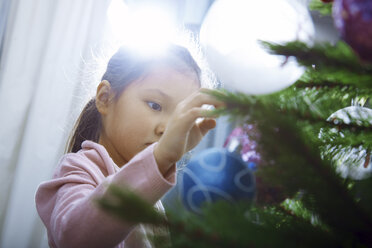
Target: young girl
[140, 123]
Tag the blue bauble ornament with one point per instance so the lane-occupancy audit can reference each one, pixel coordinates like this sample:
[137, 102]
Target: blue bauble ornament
[216, 174]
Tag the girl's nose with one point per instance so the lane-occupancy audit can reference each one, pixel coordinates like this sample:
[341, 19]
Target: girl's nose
[160, 128]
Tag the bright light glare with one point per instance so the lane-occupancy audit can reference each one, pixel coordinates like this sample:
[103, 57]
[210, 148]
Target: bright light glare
[230, 35]
[245, 22]
[148, 29]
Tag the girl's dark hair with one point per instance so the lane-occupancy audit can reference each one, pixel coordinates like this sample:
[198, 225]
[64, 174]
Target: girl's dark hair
[124, 67]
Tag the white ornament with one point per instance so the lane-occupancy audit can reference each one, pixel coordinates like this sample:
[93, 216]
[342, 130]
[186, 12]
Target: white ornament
[357, 113]
[230, 34]
[351, 162]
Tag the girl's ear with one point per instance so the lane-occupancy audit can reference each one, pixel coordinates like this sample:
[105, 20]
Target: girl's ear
[104, 96]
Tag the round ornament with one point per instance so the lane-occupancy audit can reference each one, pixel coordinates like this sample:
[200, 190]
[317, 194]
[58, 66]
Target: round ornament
[352, 113]
[230, 36]
[216, 174]
[243, 142]
[352, 162]
[240, 141]
[353, 19]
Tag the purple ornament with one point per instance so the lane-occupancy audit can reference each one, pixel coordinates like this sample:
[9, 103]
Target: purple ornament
[353, 19]
[240, 141]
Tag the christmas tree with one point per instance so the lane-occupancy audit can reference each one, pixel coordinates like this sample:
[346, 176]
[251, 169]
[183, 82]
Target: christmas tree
[313, 182]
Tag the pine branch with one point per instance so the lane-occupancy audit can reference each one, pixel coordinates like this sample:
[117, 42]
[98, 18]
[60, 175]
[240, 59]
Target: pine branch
[248, 226]
[296, 164]
[267, 227]
[323, 8]
[310, 108]
[317, 178]
[362, 192]
[333, 63]
[303, 105]
[339, 56]
[361, 137]
[321, 84]
[128, 206]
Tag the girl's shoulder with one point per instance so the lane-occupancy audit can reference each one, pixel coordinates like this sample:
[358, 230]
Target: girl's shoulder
[92, 159]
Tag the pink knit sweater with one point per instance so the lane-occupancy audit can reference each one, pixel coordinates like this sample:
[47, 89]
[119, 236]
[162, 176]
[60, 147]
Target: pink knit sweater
[65, 204]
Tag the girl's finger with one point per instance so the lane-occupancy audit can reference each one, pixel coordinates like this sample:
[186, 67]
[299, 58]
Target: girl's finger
[206, 125]
[200, 98]
[190, 116]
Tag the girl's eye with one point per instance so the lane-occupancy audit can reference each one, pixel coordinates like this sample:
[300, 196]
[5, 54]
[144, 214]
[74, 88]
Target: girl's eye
[155, 106]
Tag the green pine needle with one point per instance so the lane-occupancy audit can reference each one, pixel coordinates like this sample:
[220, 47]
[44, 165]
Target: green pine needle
[130, 207]
[323, 8]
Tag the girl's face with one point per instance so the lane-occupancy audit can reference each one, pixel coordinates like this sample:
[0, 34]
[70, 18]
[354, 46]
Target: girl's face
[140, 115]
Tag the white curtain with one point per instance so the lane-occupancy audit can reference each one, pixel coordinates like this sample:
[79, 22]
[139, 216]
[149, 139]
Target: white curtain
[43, 64]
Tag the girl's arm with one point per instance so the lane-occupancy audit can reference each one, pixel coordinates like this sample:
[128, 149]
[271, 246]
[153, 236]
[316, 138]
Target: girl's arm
[66, 203]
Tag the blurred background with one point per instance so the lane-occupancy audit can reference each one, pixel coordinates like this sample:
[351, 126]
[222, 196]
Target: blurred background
[52, 55]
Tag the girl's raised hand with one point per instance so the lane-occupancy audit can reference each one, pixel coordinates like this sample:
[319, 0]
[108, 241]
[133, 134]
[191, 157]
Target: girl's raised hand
[182, 132]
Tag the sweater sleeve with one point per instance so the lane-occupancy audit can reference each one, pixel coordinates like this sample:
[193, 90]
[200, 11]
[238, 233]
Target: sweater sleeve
[66, 203]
